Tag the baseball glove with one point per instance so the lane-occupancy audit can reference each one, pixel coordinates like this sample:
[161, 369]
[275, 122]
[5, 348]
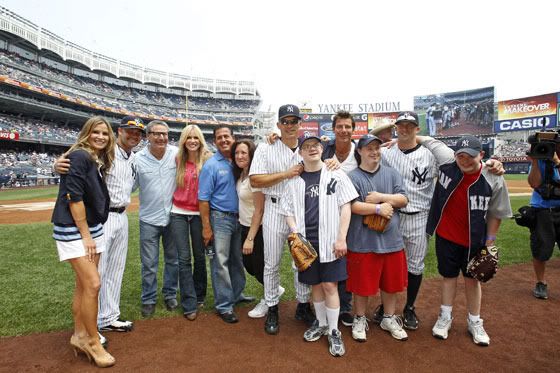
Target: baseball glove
[483, 266]
[376, 222]
[302, 251]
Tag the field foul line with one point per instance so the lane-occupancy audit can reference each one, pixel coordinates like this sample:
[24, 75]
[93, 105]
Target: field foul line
[33, 206]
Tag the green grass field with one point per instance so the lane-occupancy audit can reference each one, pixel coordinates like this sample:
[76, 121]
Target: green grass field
[37, 288]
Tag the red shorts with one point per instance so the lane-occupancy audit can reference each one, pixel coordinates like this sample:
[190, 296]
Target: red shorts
[369, 272]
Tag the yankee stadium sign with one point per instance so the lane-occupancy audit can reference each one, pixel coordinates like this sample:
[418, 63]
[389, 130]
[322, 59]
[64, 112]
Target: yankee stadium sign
[374, 107]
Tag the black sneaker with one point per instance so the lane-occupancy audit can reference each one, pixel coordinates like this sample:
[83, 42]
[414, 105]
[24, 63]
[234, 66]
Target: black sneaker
[230, 317]
[271, 323]
[346, 318]
[541, 291]
[410, 320]
[304, 313]
[378, 314]
[118, 325]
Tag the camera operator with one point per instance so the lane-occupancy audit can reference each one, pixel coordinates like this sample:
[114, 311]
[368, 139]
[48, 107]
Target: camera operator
[545, 231]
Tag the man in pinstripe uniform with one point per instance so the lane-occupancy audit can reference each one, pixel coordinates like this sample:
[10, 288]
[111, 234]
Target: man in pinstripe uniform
[418, 167]
[120, 180]
[273, 165]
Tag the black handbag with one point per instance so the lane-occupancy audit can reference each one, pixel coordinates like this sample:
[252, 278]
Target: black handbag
[526, 216]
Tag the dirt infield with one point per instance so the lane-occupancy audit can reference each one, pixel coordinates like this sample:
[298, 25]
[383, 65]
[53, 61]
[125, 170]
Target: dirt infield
[522, 339]
[37, 210]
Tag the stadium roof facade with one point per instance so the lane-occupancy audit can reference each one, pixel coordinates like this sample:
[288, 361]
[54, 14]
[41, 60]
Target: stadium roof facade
[43, 39]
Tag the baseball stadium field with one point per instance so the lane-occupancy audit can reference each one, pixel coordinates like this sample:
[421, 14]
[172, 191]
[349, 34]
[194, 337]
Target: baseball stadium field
[35, 319]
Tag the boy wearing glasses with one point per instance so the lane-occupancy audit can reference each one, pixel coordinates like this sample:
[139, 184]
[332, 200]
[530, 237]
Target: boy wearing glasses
[273, 165]
[317, 205]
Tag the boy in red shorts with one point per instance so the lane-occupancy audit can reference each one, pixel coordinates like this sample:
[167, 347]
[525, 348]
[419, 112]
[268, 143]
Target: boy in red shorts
[376, 261]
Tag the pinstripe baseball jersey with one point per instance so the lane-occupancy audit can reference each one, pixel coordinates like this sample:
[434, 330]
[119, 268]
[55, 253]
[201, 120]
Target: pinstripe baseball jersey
[120, 178]
[335, 189]
[273, 158]
[418, 169]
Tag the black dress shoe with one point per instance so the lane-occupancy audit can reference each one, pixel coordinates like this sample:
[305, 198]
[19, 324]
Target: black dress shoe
[148, 310]
[229, 317]
[271, 323]
[171, 304]
[305, 314]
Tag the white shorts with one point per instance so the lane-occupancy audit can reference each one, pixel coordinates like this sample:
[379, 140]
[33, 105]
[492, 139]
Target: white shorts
[75, 249]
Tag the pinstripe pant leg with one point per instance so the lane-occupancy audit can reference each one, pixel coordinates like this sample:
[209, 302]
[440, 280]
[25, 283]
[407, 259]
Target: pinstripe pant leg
[275, 231]
[111, 268]
[413, 229]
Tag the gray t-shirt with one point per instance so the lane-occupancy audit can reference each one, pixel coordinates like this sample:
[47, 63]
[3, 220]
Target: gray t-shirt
[361, 239]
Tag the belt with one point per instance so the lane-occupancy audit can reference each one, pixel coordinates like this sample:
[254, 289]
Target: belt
[118, 210]
[409, 213]
[275, 199]
[227, 212]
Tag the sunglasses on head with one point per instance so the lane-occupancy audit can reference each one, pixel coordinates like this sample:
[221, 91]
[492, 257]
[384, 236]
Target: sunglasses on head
[135, 124]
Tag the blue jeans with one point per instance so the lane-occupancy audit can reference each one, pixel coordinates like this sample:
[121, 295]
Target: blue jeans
[179, 226]
[228, 274]
[149, 255]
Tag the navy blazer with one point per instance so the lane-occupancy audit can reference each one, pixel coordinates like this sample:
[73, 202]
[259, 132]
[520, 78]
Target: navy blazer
[83, 182]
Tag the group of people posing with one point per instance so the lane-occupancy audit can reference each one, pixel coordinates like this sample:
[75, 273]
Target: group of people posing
[240, 204]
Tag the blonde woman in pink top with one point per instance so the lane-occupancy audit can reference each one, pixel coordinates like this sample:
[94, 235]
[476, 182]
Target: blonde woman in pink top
[185, 223]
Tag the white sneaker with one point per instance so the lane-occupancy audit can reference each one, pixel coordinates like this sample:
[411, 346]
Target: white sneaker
[442, 326]
[394, 325]
[359, 328]
[260, 310]
[281, 291]
[478, 333]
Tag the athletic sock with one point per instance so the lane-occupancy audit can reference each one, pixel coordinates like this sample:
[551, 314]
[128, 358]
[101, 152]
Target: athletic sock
[414, 282]
[332, 317]
[446, 311]
[321, 312]
[473, 318]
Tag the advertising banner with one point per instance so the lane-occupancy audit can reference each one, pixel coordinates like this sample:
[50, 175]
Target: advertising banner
[376, 120]
[456, 113]
[7, 135]
[527, 107]
[528, 113]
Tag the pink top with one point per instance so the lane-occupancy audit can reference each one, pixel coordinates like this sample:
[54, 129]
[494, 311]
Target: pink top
[186, 197]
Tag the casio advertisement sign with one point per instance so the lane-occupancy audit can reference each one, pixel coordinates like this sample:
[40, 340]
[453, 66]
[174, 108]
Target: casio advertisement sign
[525, 124]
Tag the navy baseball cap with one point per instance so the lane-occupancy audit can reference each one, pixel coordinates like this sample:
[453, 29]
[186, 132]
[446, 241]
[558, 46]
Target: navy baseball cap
[288, 111]
[468, 144]
[303, 139]
[132, 122]
[407, 116]
[366, 139]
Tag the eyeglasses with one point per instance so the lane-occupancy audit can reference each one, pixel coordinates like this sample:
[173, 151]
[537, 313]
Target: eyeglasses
[308, 147]
[158, 134]
[287, 122]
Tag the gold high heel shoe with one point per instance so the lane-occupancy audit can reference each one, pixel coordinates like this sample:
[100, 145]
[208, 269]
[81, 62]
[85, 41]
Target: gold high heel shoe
[76, 345]
[100, 356]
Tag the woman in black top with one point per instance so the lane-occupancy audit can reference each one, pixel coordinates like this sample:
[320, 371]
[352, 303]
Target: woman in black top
[81, 209]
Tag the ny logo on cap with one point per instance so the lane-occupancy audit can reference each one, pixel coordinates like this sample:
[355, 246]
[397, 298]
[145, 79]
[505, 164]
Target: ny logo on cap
[290, 109]
[465, 143]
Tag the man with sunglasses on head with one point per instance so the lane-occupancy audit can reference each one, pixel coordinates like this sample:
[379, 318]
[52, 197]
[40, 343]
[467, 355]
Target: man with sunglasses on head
[156, 167]
[273, 165]
[120, 180]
